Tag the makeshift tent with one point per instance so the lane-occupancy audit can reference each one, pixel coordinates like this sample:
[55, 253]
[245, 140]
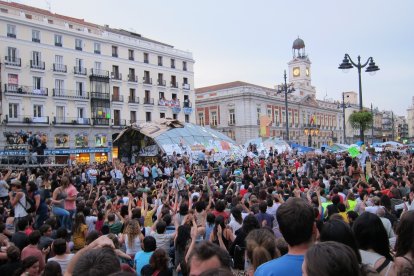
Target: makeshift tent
[168, 136]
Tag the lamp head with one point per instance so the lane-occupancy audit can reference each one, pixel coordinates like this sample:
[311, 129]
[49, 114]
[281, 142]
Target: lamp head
[372, 67]
[345, 65]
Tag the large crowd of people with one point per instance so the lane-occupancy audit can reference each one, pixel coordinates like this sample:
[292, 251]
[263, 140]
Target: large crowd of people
[268, 214]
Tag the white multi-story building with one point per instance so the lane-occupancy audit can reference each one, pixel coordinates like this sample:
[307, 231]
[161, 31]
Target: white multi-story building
[78, 83]
[410, 121]
[236, 108]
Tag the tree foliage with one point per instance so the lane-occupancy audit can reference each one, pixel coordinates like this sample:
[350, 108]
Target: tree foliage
[361, 120]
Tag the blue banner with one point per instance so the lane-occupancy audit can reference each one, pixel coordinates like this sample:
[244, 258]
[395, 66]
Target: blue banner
[56, 151]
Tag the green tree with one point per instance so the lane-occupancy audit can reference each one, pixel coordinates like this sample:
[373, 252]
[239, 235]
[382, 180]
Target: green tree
[361, 120]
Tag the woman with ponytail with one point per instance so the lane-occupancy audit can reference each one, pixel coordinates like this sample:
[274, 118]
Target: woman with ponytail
[260, 248]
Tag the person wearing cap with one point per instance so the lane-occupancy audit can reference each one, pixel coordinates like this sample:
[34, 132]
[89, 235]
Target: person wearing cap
[18, 200]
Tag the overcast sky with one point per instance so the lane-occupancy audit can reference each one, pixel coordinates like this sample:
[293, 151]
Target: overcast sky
[251, 41]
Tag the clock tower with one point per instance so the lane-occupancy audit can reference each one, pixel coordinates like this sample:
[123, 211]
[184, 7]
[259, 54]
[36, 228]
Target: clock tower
[300, 70]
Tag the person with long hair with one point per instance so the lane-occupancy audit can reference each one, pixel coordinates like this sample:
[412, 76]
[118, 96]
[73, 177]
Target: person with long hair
[221, 235]
[132, 237]
[238, 246]
[52, 268]
[80, 230]
[339, 231]
[404, 247]
[354, 171]
[30, 267]
[330, 258]
[58, 203]
[260, 248]
[182, 240]
[41, 206]
[373, 243]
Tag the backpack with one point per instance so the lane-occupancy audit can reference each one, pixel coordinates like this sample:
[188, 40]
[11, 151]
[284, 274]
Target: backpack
[30, 204]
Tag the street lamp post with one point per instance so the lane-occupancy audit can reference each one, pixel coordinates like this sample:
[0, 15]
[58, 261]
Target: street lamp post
[372, 126]
[286, 89]
[347, 64]
[344, 105]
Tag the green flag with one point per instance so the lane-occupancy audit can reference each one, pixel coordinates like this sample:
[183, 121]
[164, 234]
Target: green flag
[353, 151]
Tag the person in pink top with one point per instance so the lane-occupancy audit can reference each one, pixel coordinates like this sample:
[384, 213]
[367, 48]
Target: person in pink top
[70, 202]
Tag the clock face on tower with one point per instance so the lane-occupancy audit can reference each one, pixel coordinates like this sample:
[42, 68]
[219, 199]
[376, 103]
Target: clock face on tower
[296, 72]
[307, 71]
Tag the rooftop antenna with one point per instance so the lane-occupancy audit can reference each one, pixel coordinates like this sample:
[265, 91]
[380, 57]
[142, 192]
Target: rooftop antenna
[49, 6]
[326, 94]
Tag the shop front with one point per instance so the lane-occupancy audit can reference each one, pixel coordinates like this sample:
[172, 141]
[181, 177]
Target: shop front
[82, 155]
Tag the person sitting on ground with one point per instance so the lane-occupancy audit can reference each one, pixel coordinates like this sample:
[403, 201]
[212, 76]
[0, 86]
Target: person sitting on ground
[61, 257]
[330, 258]
[32, 250]
[296, 220]
[205, 256]
[158, 265]
[20, 238]
[52, 268]
[46, 236]
[142, 258]
[260, 248]
[13, 261]
[29, 267]
[97, 258]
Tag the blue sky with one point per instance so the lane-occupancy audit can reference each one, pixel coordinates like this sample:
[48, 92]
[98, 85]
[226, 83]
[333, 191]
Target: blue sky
[251, 40]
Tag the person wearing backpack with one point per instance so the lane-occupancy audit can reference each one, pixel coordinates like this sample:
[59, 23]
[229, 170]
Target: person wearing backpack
[18, 201]
[39, 204]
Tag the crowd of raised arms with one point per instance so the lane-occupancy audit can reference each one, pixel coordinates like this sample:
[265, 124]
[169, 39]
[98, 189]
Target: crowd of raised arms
[279, 214]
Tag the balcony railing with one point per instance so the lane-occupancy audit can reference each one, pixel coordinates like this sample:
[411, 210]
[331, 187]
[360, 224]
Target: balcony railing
[71, 121]
[187, 104]
[116, 76]
[174, 84]
[100, 95]
[161, 82]
[61, 68]
[132, 78]
[100, 122]
[149, 101]
[133, 99]
[147, 80]
[99, 73]
[186, 86]
[79, 71]
[11, 35]
[117, 98]
[13, 61]
[146, 60]
[37, 40]
[75, 94]
[58, 44]
[25, 90]
[28, 119]
[38, 65]
[232, 123]
[119, 122]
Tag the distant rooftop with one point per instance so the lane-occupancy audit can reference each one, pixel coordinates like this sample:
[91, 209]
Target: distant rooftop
[228, 85]
[26, 8]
